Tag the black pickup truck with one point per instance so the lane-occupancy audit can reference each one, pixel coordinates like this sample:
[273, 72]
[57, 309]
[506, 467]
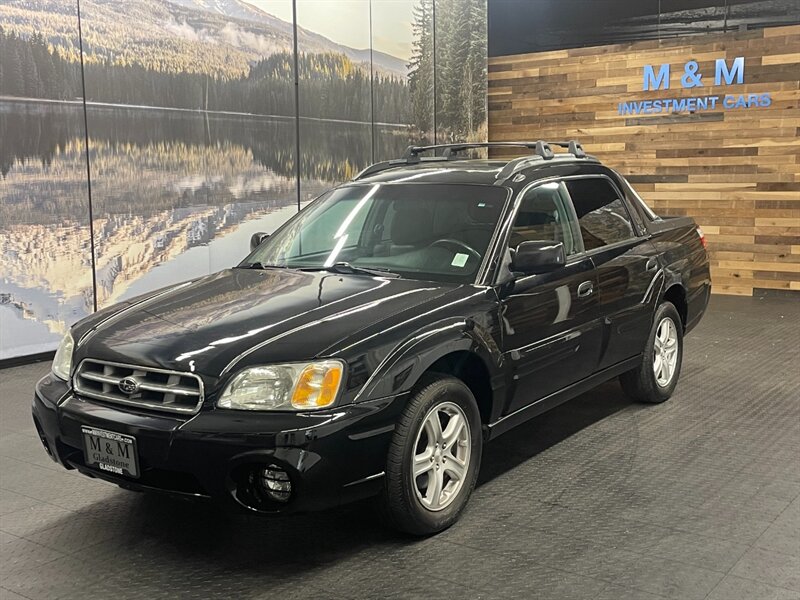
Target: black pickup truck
[372, 344]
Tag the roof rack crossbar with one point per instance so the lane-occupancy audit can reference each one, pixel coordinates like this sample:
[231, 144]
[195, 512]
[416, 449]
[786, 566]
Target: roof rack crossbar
[540, 147]
[450, 150]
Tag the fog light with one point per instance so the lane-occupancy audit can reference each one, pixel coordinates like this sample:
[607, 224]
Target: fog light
[276, 484]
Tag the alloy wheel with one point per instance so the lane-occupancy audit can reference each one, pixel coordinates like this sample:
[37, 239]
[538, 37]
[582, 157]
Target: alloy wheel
[441, 456]
[665, 355]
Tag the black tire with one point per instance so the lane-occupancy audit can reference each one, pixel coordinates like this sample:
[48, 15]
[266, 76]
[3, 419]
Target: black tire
[400, 504]
[641, 383]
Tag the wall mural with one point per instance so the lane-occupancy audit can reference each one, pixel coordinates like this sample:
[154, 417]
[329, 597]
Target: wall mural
[190, 111]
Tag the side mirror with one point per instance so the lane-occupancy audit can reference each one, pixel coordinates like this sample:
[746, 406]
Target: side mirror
[538, 257]
[256, 239]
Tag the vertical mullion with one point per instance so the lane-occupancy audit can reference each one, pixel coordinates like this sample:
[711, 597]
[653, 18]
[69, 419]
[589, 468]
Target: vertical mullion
[88, 162]
[435, 95]
[296, 100]
[371, 88]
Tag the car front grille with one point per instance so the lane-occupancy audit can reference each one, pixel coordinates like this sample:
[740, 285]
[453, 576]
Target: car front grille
[141, 387]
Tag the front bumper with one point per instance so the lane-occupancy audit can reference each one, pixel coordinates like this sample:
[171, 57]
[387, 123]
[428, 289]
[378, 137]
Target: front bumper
[331, 457]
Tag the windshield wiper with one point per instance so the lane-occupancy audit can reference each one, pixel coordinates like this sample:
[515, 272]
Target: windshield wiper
[258, 265]
[346, 268]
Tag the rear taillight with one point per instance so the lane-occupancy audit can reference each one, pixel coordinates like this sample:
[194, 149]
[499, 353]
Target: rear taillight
[702, 237]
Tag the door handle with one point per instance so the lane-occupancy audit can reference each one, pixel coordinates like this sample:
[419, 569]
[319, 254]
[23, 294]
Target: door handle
[651, 265]
[585, 289]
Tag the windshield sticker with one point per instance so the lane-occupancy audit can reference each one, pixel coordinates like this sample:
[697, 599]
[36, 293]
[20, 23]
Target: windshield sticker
[459, 260]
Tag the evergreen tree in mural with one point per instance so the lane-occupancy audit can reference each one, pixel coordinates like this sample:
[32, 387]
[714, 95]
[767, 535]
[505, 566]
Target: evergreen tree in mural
[30, 69]
[420, 75]
[332, 86]
[460, 66]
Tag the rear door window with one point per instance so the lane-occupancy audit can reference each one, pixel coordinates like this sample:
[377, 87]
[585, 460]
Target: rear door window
[602, 215]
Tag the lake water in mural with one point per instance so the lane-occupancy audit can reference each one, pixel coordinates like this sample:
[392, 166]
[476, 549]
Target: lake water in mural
[175, 195]
[191, 112]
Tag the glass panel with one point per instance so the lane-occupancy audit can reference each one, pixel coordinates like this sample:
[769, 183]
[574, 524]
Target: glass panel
[45, 258]
[191, 137]
[148, 198]
[335, 102]
[461, 70]
[602, 216]
[257, 191]
[402, 45]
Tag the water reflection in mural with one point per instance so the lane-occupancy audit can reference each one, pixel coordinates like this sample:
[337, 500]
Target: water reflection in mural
[191, 139]
[45, 251]
[167, 192]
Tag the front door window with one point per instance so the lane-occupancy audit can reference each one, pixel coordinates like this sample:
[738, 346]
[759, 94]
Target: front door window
[545, 214]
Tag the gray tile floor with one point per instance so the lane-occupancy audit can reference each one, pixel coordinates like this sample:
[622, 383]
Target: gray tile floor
[600, 498]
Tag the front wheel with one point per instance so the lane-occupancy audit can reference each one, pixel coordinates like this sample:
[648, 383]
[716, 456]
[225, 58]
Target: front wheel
[654, 380]
[434, 457]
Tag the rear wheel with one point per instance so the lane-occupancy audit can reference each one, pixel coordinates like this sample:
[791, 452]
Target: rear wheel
[434, 457]
[654, 380]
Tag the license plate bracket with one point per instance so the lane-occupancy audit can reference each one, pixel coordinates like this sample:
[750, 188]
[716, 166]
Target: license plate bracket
[110, 452]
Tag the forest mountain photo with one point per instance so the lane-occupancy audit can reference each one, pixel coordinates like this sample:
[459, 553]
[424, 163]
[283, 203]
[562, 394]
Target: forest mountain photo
[190, 119]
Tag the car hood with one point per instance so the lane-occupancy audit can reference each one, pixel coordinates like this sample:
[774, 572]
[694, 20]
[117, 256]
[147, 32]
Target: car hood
[243, 315]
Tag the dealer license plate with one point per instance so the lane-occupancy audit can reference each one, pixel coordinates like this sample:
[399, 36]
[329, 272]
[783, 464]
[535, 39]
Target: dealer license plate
[110, 452]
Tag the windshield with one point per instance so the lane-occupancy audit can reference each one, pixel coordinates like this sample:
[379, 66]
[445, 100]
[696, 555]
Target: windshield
[421, 231]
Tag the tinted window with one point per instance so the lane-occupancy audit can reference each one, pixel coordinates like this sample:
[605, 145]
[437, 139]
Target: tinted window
[545, 215]
[321, 234]
[424, 231]
[602, 216]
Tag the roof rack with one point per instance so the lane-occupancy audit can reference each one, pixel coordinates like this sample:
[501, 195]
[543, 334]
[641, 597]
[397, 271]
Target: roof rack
[450, 150]
[539, 147]
[541, 151]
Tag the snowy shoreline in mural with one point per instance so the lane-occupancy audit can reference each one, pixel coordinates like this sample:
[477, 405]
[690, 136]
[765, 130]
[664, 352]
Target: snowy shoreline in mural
[162, 193]
[191, 133]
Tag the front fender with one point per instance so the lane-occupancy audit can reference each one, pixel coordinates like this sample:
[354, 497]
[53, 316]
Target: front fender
[406, 363]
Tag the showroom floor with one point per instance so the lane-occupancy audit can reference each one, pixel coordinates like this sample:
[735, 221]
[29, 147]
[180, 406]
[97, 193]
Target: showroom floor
[600, 498]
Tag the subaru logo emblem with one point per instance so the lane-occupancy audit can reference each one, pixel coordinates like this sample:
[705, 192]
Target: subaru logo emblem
[128, 386]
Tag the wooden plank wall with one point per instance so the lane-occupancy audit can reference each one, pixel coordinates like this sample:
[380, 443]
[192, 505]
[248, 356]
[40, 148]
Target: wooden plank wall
[735, 171]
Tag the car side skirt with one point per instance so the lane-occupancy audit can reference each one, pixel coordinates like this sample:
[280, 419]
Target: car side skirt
[542, 405]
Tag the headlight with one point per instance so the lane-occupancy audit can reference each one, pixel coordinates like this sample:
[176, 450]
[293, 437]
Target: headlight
[291, 386]
[62, 361]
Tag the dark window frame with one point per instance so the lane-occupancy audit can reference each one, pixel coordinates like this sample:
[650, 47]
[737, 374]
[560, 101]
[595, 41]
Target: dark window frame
[635, 228]
[493, 273]
[571, 216]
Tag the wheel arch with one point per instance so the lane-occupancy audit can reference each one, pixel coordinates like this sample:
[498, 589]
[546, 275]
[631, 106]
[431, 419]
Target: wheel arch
[469, 368]
[676, 294]
[459, 348]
